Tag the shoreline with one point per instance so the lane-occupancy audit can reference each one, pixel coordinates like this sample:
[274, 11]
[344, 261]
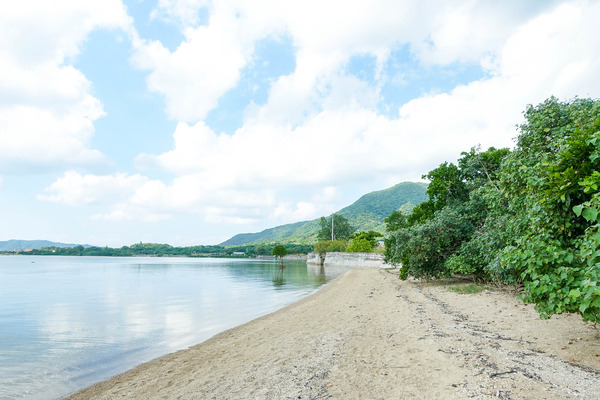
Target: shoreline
[369, 335]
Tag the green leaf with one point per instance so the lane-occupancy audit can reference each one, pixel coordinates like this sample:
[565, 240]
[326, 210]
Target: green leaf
[590, 214]
[584, 306]
[577, 209]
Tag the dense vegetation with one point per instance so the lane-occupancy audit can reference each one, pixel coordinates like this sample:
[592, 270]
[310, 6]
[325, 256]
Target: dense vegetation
[159, 250]
[334, 234]
[344, 237]
[335, 227]
[527, 216]
[367, 213]
[363, 242]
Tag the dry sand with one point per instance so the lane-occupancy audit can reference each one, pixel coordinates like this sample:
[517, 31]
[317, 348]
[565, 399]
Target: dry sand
[369, 335]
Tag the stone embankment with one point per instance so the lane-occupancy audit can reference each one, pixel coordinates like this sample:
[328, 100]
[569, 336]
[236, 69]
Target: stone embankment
[295, 257]
[350, 260]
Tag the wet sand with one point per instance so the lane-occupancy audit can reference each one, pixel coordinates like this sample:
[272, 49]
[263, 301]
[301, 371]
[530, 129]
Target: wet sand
[368, 335]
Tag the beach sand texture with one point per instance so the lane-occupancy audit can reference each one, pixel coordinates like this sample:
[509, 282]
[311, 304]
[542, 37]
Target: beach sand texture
[368, 335]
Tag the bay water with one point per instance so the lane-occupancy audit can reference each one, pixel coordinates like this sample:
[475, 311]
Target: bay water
[68, 322]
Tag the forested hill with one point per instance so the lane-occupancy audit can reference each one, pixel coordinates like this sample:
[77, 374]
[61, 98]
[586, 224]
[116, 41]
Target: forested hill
[366, 213]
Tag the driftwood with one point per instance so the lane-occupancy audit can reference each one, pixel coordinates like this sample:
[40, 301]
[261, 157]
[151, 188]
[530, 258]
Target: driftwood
[495, 374]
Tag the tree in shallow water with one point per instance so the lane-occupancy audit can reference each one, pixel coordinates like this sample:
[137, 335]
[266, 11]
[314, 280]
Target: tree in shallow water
[279, 251]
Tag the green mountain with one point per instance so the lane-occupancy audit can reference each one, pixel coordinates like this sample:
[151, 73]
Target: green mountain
[366, 213]
[12, 245]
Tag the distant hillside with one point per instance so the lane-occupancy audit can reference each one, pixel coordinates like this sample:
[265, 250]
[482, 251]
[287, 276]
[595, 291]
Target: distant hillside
[366, 213]
[12, 245]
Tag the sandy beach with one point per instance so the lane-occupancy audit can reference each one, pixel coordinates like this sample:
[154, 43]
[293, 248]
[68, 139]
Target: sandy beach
[368, 335]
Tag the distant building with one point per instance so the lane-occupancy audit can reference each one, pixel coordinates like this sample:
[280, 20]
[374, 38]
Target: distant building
[239, 253]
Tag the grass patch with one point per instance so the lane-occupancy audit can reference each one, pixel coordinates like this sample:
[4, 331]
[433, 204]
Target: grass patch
[470, 288]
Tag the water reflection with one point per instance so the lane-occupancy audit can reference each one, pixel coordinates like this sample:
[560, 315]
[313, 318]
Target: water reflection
[68, 322]
[324, 274]
[277, 277]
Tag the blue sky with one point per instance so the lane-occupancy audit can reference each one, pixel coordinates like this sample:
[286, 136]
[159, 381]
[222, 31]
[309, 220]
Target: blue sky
[189, 121]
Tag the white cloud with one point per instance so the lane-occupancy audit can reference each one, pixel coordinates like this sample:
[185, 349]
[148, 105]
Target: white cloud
[296, 212]
[320, 127]
[336, 142]
[210, 60]
[203, 68]
[34, 32]
[471, 31]
[127, 197]
[75, 189]
[46, 107]
[325, 35]
[556, 52]
[36, 138]
[348, 140]
[183, 12]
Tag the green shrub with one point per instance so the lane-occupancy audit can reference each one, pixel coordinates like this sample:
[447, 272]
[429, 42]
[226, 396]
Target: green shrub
[326, 246]
[531, 215]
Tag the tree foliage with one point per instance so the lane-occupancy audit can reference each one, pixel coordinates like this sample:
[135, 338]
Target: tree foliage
[363, 242]
[326, 246]
[341, 228]
[159, 250]
[558, 156]
[531, 215]
[432, 242]
[279, 251]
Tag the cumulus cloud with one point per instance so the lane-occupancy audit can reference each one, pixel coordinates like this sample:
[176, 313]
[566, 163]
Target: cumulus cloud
[473, 31]
[47, 110]
[75, 189]
[125, 196]
[205, 66]
[36, 138]
[182, 12]
[135, 197]
[209, 62]
[320, 129]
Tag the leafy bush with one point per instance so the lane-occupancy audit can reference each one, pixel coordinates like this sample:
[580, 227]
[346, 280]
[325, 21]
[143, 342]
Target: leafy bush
[326, 246]
[437, 245]
[559, 154]
[360, 246]
[363, 242]
[531, 215]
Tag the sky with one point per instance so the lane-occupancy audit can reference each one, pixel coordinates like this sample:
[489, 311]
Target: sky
[189, 121]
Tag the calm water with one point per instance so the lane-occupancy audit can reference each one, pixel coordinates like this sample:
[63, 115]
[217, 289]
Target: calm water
[68, 322]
